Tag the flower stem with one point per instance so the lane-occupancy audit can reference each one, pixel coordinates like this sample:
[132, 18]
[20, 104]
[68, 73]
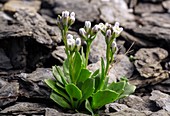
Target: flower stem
[107, 58]
[87, 52]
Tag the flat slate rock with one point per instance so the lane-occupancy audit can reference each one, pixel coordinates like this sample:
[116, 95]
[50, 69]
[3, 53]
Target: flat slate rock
[114, 10]
[83, 9]
[145, 8]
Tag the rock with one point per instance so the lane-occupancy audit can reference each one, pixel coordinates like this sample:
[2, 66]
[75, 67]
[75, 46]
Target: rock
[146, 8]
[153, 1]
[161, 99]
[121, 68]
[115, 10]
[4, 61]
[137, 103]
[166, 5]
[154, 34]
[23, 107]
[8, 92]
[130, 112]
[133, 112]
[83, 9]
[32, 85]
[160, 20]
[148, 62]
[15, 5]
[98, 48]
[59, 53]
[115, 107]
[139, 42]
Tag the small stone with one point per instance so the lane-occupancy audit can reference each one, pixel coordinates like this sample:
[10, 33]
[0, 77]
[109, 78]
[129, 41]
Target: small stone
[161, 99]
[14, 5]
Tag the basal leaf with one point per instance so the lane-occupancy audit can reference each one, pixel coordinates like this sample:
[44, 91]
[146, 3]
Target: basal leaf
[87, 88]
[60, 100]
[128, 89]
[73, 91]
[88, 107]
[56, 75]
[54, 87]
[117, 86]
[84, 75]
[76, 67]
[103, 97]
[60, 72]
[95, 73]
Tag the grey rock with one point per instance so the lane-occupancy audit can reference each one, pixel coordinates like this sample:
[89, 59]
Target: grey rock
[121, 67]
[160, 20]
[59, 53]
[14, 5]
[83, 9]
[148, 61]
[4, 61]
[166, 5]
[137, 103]
[115, 10]
[146, 8]
[37, 87]
[23, 107]
[136, 40]
[161, 99]
[115, 107]
[9, 93]
[98, 48]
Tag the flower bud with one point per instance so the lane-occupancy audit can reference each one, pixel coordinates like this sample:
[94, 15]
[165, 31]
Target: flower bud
[114, 47]
[116, 29]
[95, 29]
[78, 43]
[87, 25]
[108, 33]
[71, 44]
[108, 26]
[65, 14]
[69, 36]
[82, 32]
[72, 14]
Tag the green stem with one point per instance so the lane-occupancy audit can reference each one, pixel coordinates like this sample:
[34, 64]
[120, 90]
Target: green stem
[107, 58]
[87, 52]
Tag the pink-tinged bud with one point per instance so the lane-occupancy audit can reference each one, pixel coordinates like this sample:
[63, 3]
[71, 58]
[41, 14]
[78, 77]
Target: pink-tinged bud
[96, 28]
[87, 24]
[78, 43]
[82, 32]
[69, 36]
[108, 33]
[72, 14]
[65, 14]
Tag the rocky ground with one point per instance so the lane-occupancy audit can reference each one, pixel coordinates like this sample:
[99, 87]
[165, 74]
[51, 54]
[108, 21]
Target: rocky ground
[30, 44]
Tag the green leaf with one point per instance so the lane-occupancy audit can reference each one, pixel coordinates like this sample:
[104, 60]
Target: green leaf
[61, 74]
[76, 67]
[128, 89]
[56, 75]
[73, 91]
[97, 82]
[88, 107]
[103, 97]
[66, 68]
[87, 88]
[84, 75]
[60, 100]
[117, 86]
[95, 73]
[83, 58]
[54, 87]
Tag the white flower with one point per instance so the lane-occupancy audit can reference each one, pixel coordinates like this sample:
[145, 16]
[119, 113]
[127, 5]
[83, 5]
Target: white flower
[82, 32]
[102, 27]
[87, 24]
[72, 14]
[71, 43]
[78, 42]
[108, 33]
[65, 14]
[69, 36]
[108, 25]
[117, 29]
[96, 28]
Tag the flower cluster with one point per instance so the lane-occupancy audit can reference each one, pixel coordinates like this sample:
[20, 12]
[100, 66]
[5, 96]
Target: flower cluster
[88, 33]
[65, 20]
[72, 43]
